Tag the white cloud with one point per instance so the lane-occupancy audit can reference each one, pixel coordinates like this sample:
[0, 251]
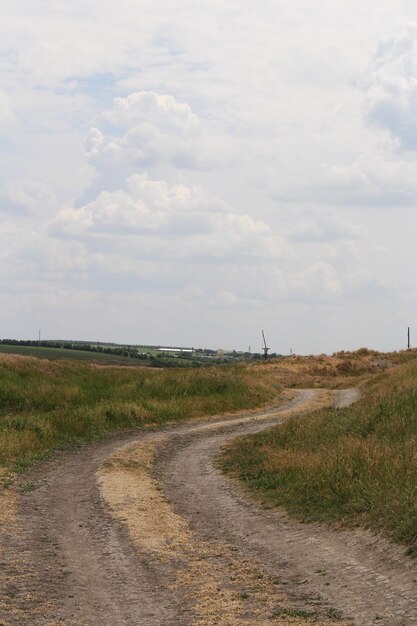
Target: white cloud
[392, 89]
[317, 281]
[161, 110]
[156, 129]
[220, 300]
[375, 179]
[372, 180]
[325, 228]
[48, 43]
[151, 219]
[6, 112]
[27, 197]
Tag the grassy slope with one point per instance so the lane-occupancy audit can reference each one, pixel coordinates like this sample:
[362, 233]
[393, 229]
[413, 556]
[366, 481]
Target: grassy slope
[356, 465]
[46, 404]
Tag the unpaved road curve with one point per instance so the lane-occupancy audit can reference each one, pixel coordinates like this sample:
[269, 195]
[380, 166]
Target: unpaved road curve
[362, 577]
[66, 560]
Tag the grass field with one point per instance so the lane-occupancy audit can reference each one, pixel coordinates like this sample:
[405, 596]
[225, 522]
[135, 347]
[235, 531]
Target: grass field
[52, 403]
[48, 404]
[78, 355]
[355, 466]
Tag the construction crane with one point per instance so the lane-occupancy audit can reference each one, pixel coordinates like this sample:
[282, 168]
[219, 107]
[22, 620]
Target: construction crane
[265, 349]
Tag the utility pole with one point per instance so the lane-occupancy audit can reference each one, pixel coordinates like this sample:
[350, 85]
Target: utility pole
[39, 343]
[408, 339]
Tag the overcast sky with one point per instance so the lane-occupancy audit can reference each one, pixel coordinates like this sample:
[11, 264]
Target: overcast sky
[188, 172]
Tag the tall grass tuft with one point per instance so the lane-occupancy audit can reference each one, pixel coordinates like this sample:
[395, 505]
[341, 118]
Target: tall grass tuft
[357, 465]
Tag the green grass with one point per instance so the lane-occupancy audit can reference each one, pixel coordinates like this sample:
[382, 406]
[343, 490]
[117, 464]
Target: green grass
[78, 355]
[51, 404]
[355, 466]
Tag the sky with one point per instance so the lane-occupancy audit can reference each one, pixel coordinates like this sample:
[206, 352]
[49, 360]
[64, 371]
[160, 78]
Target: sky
[189, 173]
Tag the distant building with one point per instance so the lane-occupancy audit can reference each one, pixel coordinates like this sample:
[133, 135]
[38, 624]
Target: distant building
[177, 350]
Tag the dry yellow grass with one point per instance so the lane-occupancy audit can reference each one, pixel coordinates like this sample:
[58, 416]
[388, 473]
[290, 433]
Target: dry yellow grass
[8, 500]
[133, 496]
[334, 371]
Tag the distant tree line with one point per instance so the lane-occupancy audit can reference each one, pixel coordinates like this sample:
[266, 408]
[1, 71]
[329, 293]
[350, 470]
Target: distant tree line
[200, 358]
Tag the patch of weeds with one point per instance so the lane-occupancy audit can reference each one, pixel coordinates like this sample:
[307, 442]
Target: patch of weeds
[6, 482]
[333, 614]
[295, 613]
[28, 487]
[21, 466]
[244, 595]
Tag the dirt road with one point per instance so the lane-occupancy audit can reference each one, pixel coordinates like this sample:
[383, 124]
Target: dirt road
[143, 530]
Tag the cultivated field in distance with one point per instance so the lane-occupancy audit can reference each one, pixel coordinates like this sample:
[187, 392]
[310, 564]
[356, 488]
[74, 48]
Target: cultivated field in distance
[63, 353]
